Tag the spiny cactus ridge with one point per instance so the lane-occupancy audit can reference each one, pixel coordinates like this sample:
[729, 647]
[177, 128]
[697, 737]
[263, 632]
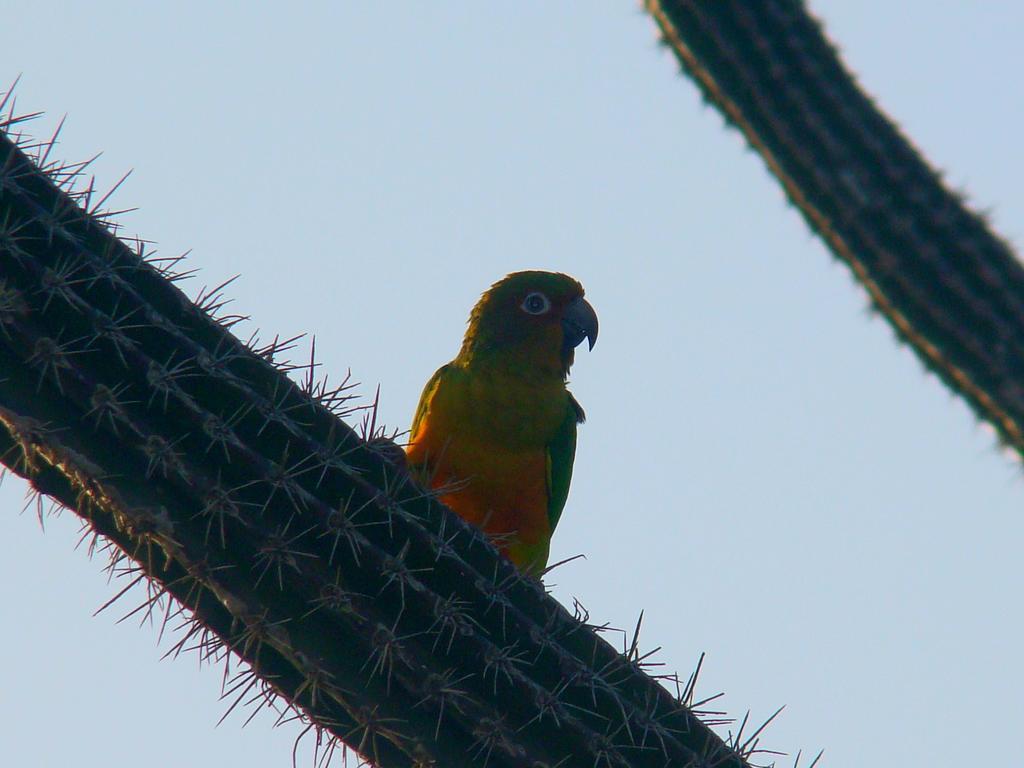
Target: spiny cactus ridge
[948, 286]
[276, 534]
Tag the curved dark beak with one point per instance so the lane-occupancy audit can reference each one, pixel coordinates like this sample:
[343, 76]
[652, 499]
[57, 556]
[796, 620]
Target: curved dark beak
[579, 322]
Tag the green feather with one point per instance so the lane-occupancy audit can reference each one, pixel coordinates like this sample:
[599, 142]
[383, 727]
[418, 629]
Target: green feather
[560, 454]
[425, 398]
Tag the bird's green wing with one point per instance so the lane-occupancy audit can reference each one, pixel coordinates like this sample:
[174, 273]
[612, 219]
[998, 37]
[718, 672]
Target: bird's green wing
[560, 455]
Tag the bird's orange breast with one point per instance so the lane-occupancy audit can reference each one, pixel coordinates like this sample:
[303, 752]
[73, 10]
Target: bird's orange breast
[483, 445]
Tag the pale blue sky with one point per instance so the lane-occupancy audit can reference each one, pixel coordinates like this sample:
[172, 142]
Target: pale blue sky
[764, 471]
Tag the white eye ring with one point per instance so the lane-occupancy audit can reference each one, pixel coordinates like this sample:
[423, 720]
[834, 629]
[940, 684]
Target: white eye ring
[535, 303]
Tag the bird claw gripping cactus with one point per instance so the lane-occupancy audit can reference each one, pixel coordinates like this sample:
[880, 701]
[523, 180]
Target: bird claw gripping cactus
[281, 536]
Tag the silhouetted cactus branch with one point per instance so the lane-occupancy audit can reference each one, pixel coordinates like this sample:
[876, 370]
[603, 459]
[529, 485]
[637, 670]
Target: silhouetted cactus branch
[253, 511]
[949, 286]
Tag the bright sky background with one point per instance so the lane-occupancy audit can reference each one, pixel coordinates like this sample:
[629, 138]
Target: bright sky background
[764, 471]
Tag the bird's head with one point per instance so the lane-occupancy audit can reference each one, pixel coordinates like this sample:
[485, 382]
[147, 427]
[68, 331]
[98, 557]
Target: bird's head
[539, 316]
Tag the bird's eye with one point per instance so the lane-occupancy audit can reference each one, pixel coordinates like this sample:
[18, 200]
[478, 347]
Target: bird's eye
[536, 304]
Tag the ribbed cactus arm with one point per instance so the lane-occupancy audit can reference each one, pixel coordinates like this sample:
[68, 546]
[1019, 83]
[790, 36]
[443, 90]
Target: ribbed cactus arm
[945, 282]
[286, 539]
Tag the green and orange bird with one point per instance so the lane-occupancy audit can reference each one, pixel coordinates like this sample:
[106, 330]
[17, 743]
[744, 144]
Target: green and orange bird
[495, 429]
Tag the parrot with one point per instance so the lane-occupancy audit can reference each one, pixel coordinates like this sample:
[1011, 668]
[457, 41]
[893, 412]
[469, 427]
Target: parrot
[495, 429]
